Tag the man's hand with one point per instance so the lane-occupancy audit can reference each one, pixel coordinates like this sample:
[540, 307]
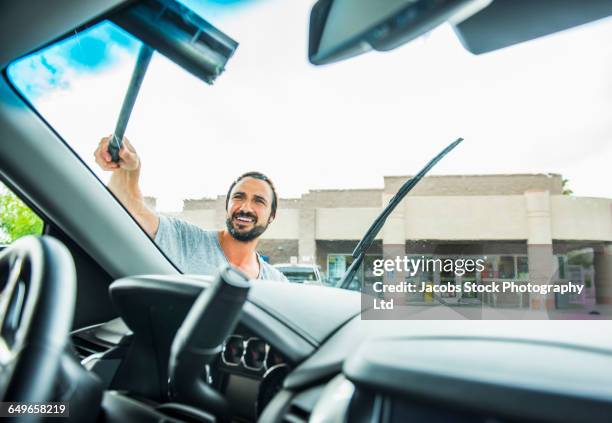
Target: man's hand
[128, 158]
[124, 182]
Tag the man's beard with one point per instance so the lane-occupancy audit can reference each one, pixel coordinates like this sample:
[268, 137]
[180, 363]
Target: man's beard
[244, 236]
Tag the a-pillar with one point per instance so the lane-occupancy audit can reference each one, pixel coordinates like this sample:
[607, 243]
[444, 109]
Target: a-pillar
[539, 246]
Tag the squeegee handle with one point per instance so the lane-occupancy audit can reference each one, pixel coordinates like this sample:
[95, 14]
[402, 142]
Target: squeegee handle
[142, 63]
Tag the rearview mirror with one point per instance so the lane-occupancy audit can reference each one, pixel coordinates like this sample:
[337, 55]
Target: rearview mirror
[340, 29]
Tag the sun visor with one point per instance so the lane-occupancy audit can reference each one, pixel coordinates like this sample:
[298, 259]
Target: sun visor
[507, 22]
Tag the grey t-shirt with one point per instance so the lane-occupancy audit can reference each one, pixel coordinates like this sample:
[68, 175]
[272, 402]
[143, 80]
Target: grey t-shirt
[197, 251]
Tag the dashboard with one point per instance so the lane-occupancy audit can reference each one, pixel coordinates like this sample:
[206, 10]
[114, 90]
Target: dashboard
[273, 336]
[287, 363]
[248, 371]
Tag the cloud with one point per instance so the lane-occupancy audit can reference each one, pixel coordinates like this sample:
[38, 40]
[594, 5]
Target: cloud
[93, 50]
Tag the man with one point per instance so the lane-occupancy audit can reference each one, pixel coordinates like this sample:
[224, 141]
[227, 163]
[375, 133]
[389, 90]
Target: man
[251, 206]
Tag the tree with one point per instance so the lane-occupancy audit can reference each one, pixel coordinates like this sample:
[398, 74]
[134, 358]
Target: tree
[16, 219]
[565, 188]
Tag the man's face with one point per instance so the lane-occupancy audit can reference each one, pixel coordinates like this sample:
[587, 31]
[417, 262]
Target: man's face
[249, 209]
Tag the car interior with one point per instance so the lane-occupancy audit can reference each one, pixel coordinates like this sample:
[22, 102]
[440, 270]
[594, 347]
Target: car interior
[94, 315]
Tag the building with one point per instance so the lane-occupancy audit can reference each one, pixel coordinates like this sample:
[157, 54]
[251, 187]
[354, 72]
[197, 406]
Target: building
[522, 225]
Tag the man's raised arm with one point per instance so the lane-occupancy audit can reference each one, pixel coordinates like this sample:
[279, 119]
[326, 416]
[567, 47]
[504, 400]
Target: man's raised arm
[124, 183]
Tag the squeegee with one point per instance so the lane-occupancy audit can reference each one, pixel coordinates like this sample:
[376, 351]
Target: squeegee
[179, 34]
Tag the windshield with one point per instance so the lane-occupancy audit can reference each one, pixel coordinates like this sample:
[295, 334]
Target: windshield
[525, 197]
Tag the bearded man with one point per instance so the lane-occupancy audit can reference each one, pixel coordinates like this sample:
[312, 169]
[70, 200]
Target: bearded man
[250, 207]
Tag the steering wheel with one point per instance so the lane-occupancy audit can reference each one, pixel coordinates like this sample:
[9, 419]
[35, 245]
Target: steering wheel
[37, 298]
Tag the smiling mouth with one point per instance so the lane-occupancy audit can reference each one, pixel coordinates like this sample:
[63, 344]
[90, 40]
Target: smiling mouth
[244, 220]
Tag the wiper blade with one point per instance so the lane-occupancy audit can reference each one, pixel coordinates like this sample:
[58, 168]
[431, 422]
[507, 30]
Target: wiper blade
[370, 235]
[377, 225]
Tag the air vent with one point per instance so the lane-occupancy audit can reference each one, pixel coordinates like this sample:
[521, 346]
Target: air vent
[100, 338]
[296, 414]
[84, 348]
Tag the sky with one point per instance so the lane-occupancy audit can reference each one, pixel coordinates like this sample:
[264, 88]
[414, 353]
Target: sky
[539, 107]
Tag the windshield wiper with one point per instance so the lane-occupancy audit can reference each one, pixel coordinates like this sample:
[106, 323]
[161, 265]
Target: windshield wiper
[370, 235]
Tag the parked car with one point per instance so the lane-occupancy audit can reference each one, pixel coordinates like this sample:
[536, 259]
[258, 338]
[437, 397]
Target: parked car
[301, 273]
